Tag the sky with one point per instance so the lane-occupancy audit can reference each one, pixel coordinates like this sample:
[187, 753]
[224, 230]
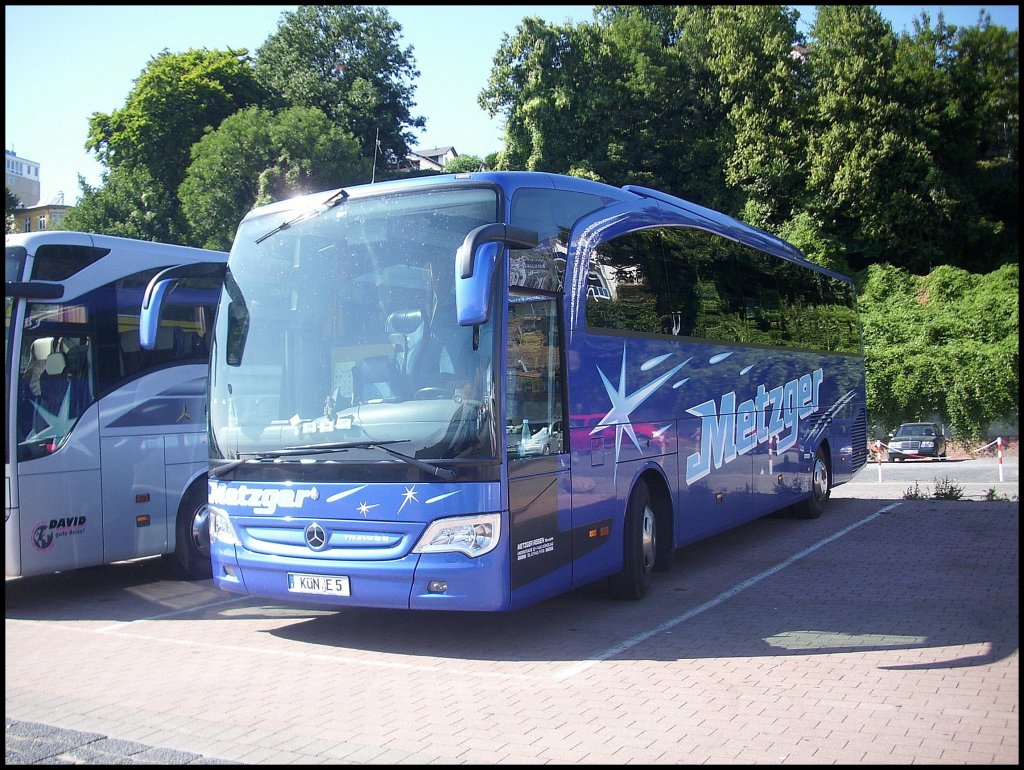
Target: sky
[62, 63]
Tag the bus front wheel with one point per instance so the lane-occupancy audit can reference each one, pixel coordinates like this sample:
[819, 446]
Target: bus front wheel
[192, 533]
[640, 545]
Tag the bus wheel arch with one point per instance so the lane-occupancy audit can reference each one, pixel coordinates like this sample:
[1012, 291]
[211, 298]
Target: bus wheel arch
[661, 500]
[192, 532]
[821, 484]
[647, 533]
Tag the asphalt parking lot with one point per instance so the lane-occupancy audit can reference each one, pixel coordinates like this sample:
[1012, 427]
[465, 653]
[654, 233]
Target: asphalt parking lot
[887, 631]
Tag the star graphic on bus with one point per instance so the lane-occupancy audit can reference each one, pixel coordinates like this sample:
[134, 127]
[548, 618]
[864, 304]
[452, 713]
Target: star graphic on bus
[57, 425]
[409, 495]
[623, 405]
[364, 508]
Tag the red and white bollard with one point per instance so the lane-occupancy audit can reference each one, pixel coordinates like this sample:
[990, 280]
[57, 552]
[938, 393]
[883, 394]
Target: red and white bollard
[878, 454]
[999, 454]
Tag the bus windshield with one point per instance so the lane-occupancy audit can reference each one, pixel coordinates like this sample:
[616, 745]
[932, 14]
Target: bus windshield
[337, 330]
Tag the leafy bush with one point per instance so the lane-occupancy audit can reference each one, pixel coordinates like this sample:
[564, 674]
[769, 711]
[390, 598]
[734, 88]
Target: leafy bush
[943, 344]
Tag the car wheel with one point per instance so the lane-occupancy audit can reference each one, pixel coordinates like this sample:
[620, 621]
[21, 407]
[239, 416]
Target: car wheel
[821, 488]
[640, 544]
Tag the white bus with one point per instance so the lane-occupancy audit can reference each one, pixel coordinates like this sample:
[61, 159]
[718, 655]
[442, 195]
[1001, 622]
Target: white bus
[106, 451]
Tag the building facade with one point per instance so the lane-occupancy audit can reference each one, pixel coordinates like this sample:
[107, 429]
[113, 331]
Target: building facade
[44, 216]
[22, 178]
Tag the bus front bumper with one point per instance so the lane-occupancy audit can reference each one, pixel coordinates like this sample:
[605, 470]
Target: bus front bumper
[445, 581]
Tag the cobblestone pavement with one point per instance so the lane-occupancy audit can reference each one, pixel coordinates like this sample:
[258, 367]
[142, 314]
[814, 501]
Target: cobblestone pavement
[884, 632]
[33, 743]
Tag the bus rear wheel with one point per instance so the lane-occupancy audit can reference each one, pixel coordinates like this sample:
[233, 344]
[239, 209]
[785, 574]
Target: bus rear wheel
[640, 542]
[192, 534]
[821, 488]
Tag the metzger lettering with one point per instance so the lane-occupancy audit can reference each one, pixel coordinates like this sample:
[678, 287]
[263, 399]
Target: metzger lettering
[260, 500]
[728, 431]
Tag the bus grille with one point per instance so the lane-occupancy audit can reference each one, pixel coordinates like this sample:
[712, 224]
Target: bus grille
[859, 451]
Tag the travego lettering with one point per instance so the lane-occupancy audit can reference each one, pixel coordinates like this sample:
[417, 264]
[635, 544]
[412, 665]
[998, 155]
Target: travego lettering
[728, 431]
[260, 500]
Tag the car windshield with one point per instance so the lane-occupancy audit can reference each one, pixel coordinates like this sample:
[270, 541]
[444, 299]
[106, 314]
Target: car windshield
[340, 328]
[916, 430]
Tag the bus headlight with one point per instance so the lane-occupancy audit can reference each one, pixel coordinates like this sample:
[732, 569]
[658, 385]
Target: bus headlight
[220, 527]
[471, 535]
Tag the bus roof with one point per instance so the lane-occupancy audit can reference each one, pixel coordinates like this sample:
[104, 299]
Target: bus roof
[73, 238]
[509, 181]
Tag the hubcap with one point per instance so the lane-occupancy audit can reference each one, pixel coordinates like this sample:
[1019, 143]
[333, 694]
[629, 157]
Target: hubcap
[201, 529]
[649, 537]
[820, 479]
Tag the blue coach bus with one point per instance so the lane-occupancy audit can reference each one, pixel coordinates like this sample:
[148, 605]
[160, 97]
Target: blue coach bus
[478, 391]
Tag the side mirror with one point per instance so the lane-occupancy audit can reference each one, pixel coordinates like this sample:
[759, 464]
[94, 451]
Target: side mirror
[152, 304]
[475, 264]
[472, 292]
[156, 292]
[238, 329]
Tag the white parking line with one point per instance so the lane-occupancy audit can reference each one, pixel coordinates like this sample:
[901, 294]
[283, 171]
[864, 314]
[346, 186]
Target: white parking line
[583, 665]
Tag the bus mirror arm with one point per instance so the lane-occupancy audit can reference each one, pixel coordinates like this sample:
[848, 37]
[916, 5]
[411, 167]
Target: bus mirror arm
[476, 264]
[514, 237]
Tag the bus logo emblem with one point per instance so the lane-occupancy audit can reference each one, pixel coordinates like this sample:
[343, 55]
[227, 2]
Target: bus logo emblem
[316, 538]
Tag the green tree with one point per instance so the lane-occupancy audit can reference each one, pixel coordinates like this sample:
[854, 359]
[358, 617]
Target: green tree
[345, 61]
[546, 82]
[11, 202]
[176, 99]
[256, 157]
[870, 173]
[956, 86]
[761, 87]
[126, 203]
[625, 100]
[464, 163]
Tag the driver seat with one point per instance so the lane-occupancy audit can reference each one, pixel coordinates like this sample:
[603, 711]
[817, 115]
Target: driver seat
[418, 350]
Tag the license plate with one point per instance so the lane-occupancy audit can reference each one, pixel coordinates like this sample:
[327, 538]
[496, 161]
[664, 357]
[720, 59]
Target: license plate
[324, 585]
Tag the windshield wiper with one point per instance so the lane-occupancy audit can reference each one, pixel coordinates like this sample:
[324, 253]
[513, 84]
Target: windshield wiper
[317, 449]
[330, 203]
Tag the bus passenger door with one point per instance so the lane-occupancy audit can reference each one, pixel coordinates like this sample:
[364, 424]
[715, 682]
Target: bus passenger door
[540, 516]
[56, 474]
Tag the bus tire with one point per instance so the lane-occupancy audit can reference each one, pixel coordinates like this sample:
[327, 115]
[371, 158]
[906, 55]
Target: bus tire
[192, 533]
[640, 547]
[821, 488]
